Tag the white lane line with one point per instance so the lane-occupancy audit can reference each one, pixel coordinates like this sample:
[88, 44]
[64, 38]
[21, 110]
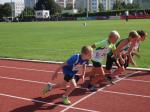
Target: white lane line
[30, 69]
[56, 62]
[84, 98]
[23, 80]
[135, 80]
[43, 102]
[38, 70]
[122, 93]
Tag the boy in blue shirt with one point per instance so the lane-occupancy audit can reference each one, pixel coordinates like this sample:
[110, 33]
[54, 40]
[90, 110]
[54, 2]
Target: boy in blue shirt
[70, 69]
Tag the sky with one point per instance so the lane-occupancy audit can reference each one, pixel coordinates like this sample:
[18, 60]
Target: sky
[3, 1]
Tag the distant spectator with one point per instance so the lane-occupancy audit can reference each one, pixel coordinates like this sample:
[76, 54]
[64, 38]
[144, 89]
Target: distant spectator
[127, 15]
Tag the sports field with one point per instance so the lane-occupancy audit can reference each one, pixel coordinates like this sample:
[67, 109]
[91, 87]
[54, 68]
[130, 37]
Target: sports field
[58, 40]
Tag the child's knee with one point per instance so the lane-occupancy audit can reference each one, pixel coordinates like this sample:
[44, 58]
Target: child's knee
[73, 83]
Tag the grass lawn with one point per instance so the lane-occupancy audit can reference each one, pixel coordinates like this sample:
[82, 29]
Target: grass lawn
[58, 40]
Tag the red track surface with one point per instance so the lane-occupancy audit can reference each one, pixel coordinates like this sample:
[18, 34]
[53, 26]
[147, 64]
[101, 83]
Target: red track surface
[21, 84]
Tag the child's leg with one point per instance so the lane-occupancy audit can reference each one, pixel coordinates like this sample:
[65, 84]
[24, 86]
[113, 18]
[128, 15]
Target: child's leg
[109, 64]
[90, 74]
[69, 90]
[121, 68]
[49, 86]
[60, 85]
[99, 73]
[73, 85]
[118, 71]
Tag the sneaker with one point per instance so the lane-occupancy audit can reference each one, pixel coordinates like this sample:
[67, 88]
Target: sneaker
[92, 88]
[109, 79]
[66, 101]
[47, 88]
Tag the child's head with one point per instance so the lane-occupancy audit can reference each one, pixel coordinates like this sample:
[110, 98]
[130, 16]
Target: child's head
[133, 36]
[113, 37]
[142, 34]
[86, 52]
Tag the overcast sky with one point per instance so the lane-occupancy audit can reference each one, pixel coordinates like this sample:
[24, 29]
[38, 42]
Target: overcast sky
[3, 1]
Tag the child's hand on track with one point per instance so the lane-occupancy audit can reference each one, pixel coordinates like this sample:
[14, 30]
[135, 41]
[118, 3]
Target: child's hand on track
[83, 79]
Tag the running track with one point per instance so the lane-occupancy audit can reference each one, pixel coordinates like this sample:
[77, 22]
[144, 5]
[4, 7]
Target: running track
[21, 84]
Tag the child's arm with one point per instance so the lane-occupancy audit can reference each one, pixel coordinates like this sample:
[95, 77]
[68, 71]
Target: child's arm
[131, 60]
[54, 76]
[118, 51]
[130, 54]
[136, 54]
[83, 72]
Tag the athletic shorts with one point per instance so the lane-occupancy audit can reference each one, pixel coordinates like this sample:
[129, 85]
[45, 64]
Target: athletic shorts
[68, 78]
[96, 64]
[111, 60]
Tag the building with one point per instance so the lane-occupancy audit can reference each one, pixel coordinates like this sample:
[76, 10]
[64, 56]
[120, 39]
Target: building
[17, 7]
[128, 1]
[64, 3]
[42, 14]
[93, 5]
[107, 4]
[30, 3]
[82, 5]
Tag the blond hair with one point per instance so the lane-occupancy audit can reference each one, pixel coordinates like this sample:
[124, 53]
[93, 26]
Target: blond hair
[86, 49]
[133, 34]
[114, 33]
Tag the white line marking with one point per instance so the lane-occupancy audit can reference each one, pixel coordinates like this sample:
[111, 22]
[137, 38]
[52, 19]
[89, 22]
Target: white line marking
[129, 94]
[30, 69]
[135, 80]
[23, 80]
[43, 102]
[55, 62]
[96, 92]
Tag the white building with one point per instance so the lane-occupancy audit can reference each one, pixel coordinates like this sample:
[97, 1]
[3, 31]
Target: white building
[128, 1]
[64, 3]
[93, 5]
[81, 5]
[17, 7]
[30, 3]
[42, 14]
[107, 4]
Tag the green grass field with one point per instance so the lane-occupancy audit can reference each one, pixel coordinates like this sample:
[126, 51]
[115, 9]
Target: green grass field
[58, 40]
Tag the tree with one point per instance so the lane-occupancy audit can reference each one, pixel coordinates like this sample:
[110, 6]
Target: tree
[50, 5]
[5, 10]
[118, 5]
[101, 8]
[69, 7]
[28, 12]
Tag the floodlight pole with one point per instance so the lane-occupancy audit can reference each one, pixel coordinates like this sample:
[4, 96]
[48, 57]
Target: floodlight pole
[87, 10]
[11, 10]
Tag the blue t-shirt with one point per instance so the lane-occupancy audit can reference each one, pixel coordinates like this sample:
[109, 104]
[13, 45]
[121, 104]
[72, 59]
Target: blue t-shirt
[73, 65]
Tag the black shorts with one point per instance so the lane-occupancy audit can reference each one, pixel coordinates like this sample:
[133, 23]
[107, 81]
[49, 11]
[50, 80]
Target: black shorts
[96, 64]
[68, 78]
[111, 60]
